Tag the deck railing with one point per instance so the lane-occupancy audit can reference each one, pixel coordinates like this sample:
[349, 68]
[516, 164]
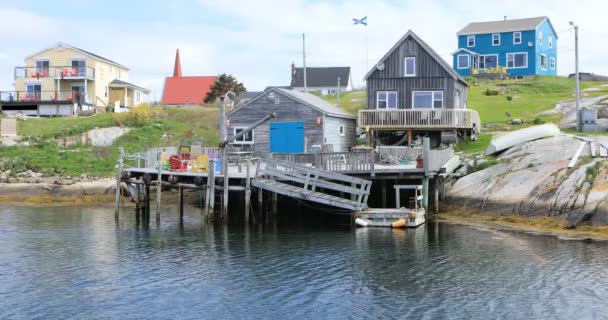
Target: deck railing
[64, 72]
[7, 97]
[419, 119]
[351, 162]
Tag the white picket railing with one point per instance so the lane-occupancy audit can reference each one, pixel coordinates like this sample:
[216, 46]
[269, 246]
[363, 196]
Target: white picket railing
[419, 119]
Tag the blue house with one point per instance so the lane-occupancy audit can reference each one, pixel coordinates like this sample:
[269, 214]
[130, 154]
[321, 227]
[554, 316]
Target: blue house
[525, 47]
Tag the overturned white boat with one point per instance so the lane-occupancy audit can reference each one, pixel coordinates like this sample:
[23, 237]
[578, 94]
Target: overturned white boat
[511, 139]
[392, 218]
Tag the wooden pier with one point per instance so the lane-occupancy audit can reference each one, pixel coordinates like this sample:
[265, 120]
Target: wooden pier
[340, 180]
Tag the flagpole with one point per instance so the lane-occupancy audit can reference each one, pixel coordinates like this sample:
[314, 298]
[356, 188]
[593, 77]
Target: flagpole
[304, 61]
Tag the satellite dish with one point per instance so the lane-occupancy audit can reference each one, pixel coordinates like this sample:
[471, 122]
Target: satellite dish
[380, 66]
[530, 44]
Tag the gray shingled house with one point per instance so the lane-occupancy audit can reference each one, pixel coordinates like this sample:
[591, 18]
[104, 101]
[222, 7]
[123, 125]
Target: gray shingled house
[321, 79]
[302, 120]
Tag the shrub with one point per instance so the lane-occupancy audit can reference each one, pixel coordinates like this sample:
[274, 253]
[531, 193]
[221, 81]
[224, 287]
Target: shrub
[490, 92]
[139, 116]
[538, 121]
[509, 98]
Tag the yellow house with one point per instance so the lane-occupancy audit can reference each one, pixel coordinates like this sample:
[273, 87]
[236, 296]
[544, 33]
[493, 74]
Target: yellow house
[62, 80]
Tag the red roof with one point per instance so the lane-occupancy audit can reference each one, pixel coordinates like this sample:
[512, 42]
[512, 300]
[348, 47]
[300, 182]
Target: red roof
[187, 90]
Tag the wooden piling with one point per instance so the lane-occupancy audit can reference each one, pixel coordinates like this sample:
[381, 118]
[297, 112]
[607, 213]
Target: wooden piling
[210, 199]
[226, 189]
[274, 203]
[147, 203]
[181, 203]
[426, 150]
[159, 188]
[121, 152]
[247, 191]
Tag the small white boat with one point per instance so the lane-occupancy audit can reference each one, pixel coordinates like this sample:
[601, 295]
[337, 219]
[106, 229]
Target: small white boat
[391, 218]
[517, 137]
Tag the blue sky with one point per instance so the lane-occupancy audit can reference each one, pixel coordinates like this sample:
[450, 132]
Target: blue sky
[258, 40]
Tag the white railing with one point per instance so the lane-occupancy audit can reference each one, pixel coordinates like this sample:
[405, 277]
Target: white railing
[419, 119]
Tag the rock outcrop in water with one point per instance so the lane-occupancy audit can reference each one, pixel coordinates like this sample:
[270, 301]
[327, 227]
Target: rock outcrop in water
[533, 180]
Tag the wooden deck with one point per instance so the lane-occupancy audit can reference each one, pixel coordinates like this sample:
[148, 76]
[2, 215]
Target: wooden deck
[430, 119]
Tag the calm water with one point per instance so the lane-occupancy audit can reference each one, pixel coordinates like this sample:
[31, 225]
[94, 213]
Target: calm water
[58, 263]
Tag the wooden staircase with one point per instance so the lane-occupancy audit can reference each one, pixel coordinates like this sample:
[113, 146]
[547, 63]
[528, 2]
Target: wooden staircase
[311, 184]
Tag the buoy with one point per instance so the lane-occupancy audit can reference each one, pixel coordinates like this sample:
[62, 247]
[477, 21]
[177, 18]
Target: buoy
[399, 223]
[361, 222]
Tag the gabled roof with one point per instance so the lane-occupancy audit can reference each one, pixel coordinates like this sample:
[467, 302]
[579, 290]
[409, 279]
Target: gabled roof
[60, 45]
[320, 77]
[306, 98]
[466, 50]
[427, 48]
[187, 90]
[123, 84]
[501, 26]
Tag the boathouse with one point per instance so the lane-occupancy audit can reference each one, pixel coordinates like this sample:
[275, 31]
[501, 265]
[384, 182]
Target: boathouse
[303, 123]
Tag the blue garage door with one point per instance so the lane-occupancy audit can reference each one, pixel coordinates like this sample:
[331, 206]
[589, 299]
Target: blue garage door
[287, 137]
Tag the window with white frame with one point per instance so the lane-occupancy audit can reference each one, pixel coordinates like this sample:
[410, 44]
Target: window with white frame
[427, 99]
[244, 139]
[496, 39]
[516, 37]
[137, 96]
[517, 60]
[386, 100]
[341, 131]
[488, 61]
[470, 41]
[552, 63]
[463, 61]
[540, 38]
[543, 62]
[410, 66]
[550, 40]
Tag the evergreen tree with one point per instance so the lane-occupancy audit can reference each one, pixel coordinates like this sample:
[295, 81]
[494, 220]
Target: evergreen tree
[223, 84]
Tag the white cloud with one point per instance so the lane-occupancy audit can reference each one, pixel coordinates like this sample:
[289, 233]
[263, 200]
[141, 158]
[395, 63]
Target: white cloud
[258, 40]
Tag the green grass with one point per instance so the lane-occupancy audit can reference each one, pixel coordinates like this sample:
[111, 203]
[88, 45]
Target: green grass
[529, 97]
[474, 146]
[48, 128]
[351, 101]
[47, 157]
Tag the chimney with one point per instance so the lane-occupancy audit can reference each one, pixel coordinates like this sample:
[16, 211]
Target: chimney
[505, 18]
[177, 68]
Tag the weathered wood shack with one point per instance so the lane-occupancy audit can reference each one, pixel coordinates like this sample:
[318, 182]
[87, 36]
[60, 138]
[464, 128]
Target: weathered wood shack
[303, 121]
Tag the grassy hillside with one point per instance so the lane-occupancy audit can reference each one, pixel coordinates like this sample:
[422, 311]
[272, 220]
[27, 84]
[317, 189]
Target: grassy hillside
[148, 130]
[524, 99]
[350, 102]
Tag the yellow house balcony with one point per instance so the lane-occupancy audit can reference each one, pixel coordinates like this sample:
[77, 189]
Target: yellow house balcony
[55, 72]
[429, 119]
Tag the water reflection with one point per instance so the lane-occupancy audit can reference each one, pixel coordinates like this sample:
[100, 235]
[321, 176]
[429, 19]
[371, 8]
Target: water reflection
[76, 262]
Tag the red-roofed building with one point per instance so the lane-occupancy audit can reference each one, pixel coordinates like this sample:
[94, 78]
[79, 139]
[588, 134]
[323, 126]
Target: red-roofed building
[181, 90]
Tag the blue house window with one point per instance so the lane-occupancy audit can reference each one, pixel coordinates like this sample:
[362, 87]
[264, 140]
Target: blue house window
[517, 60]
[496, 39]
[470, 41]
[543, 62]
[488, 61]
[463, 61]
[516, 37]
[550, 42]
[540, 38]
[552, 63]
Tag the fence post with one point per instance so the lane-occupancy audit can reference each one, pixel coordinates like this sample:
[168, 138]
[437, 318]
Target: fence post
[372, 162]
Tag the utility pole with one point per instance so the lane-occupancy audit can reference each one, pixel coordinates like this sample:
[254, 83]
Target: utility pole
[577, 76]
[304, 60]
[338, 93]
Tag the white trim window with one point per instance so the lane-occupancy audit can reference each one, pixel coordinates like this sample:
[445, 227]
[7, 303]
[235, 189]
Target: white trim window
[386, 100]
[517, 37]
[488, 61]
[245, 139]
[463, 61]
[550, 41]
[470, 41]
[495, 39]
[552, 63]
[427, 99]
[341, 131]
[517, 60]
[543, 61]
[409, 66]
[540, 38]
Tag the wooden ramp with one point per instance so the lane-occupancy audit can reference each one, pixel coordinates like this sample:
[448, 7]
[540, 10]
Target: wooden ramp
[316, 185]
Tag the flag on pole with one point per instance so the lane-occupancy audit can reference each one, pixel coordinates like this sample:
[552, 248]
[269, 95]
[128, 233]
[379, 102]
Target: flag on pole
[362, 21]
